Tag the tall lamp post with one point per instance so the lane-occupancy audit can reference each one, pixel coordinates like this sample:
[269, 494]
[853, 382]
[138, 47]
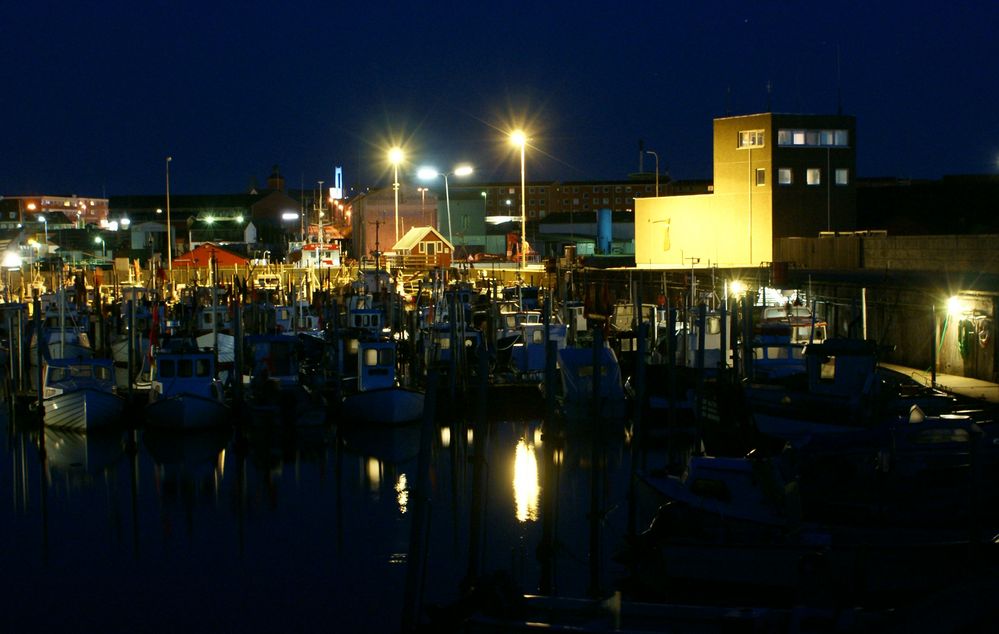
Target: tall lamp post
[517, 137]
[657, 169]
[319, 217]
[395, 157]
[423, 204]
[169, 230]
[45, 223]
[427, 173]
[101, 241]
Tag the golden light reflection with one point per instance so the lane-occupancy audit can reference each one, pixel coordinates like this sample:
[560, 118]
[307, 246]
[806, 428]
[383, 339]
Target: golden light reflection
[445, 437]
[469, 436]
[537, 437]
[374, 470]
[221, 464]
[526, 487]
[402, 493]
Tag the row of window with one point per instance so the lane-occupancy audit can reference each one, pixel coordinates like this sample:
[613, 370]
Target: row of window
[789, 137]
[813, 176]
[818, 138]
[596, 189]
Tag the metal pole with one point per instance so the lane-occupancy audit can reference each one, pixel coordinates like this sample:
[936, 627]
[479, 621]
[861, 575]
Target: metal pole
[523, 210]
[168, 229]
[447, 204]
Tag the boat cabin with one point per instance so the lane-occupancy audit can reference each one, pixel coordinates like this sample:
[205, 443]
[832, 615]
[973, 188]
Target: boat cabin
[184, 372]
[375, 365]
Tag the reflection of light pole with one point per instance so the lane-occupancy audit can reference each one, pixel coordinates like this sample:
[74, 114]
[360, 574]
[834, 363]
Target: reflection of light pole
[657, 169]
[429, 172]
[169, 230]
[519, 138]
[395, 157]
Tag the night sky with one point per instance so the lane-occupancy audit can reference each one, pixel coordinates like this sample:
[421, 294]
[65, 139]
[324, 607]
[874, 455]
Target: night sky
[96, 95]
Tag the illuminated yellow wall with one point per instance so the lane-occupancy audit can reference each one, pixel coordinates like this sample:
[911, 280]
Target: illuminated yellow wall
[730, 227]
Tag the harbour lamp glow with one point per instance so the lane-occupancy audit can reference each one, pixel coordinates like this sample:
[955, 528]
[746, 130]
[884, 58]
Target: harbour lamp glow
[288, 215]
[209, 220]
[100, 240]
[518, 138]
[11, 260]
[125, 221]
[395, 156]
[955, 307]
[738, 287]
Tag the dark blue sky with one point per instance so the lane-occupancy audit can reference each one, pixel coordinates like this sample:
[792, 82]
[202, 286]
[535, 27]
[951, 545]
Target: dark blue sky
[96, 95]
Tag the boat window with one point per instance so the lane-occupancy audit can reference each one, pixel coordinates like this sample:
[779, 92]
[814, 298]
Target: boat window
[208, 318]
[371, 357]
[357, 321]
[102, 373]
[386, 357]
[185, 368]
[714, 489]
[444, 343]
[828, 371]
[167, 369]
[201, 367]
[537, 337]
[713, 325]
[57, 374]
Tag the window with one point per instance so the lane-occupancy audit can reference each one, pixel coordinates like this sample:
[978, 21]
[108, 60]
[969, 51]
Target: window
[813, 176]
[750, 138]
[819, 138]
[842, 176]
[798, 137]
[784, 176]
[841, 138]
[761, 176]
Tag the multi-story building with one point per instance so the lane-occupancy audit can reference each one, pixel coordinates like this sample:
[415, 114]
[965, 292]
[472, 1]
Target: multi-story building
[57, 211]
[775, 176]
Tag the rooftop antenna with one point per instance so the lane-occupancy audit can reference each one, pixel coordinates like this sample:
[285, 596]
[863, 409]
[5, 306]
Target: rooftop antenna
[839, 84]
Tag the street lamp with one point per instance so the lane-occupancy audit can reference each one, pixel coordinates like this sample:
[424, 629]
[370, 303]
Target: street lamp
[100, 240]
[426, 173]
[517, 137]
[657, 169]
[484, 211]
[168, 230]
[45, 223]
[423, 204]
[395, 157]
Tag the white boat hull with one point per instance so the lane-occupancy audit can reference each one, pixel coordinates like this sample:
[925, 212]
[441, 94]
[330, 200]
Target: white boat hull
[83, 410]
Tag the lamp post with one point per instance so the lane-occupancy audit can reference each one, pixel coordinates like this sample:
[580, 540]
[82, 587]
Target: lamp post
[657, 169]
[319, 217]
[169, 231]
[45, 223]
[427, 173]
[423, 204]
[517, 137]
[100, 240]
[395, 157]
[485, 212]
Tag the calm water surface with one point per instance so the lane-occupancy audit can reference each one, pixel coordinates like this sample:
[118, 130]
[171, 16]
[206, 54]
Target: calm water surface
[282, 530]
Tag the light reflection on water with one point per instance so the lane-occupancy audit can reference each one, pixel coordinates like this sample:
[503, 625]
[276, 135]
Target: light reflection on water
[238, 517]
[526, 486]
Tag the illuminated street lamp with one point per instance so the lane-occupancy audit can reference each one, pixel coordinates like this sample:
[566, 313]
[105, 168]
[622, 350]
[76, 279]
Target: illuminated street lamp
[426, 173]
[395, 157]
[100, 240]
[517, 137]
[45, 223]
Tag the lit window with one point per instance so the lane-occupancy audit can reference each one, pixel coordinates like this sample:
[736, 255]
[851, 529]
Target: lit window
[827, 137]
[784, 176]
[798, 137]
[750, 138]
[761, 176]
[842, 176]
[813, 176]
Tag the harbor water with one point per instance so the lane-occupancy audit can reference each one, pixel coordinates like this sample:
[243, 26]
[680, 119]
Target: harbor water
[271, 528]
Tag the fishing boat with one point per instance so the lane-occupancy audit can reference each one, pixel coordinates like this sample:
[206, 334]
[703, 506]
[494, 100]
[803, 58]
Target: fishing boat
[80, 395]
[276, 387]
[591, 384]
[185, 392]
[374, 395]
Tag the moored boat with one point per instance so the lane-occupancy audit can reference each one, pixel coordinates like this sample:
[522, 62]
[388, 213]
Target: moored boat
[79, 394]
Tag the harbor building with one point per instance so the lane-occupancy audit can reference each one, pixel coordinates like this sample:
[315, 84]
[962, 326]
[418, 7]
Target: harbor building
[775, 176]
